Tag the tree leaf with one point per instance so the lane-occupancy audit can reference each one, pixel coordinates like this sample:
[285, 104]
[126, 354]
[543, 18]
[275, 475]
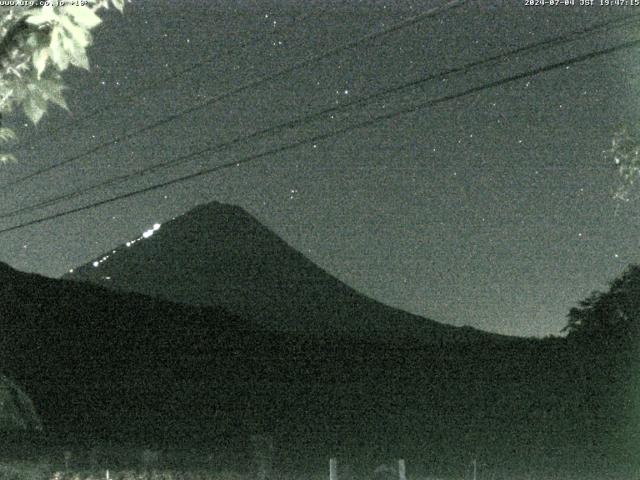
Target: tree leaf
[79, 35]
[40, 58]
[7, 134]
[119, 4]
[80, 59]
[51, 90]
[33, 109]
[35, 106]
[83, 16]
[43, 16]
[7, 157]
[58, 53]
[77, 53]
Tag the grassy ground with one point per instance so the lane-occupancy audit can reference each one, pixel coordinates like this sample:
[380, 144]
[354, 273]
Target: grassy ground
[33, 471]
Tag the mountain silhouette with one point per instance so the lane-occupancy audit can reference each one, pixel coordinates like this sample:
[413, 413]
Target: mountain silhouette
[220, 255]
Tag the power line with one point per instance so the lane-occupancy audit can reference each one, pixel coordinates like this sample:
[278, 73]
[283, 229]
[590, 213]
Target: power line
[311, 117]
[153, 84]
[452, 4]
[326, 135]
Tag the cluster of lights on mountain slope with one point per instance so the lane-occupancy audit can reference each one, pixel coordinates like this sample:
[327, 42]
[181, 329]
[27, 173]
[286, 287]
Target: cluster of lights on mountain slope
[145, 234]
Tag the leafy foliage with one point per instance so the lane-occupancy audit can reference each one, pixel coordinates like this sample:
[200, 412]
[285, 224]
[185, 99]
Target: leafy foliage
[625, 154]
[37, 43]
[16, 409]
[612, 315]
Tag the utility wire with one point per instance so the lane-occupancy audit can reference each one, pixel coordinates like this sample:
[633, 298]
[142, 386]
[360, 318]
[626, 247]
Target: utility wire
[161, 82]
[324, 136]
[252, 83]
[319, 114]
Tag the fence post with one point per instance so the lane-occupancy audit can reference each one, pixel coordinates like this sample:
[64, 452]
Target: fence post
[333, 469]
[263, 452]
[67, 458]
[402, 470]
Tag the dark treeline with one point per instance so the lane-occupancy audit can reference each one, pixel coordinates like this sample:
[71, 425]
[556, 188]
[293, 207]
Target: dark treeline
[110, 367]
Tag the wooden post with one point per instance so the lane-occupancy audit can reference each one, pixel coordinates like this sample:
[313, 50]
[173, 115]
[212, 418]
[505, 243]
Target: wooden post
[333, 469]
[263, 452]
[402, 470]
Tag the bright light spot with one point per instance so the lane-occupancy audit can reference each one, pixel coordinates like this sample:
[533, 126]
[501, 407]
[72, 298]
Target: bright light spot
[147, 234]
[96, 263]
[71, 271]
[128, 244]
[156, 226]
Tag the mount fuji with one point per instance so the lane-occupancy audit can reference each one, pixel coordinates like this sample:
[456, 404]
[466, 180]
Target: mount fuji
[220, 255]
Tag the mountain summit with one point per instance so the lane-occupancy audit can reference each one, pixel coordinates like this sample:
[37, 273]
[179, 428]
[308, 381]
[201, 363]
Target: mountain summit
[219, 254]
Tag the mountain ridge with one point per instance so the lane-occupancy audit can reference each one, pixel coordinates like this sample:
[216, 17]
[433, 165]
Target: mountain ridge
[219, 254]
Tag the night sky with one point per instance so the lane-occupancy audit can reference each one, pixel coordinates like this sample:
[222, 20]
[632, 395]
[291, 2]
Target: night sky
[493, 210]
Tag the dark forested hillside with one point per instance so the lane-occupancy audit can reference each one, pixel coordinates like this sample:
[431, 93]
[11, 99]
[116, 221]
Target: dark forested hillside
[103, 365]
